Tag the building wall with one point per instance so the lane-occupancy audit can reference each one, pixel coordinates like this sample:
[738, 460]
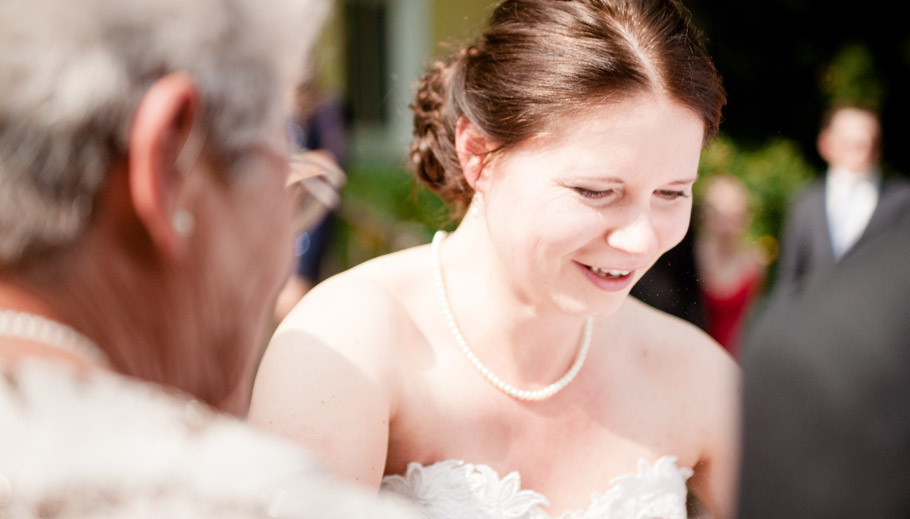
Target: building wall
[417, 32]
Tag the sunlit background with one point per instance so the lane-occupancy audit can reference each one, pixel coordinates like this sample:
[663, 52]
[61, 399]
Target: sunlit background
[783, 62]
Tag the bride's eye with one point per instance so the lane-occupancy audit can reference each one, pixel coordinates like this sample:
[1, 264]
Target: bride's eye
[591, 193]
[669, 194]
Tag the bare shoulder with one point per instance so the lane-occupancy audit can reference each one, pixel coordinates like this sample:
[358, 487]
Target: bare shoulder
[364, 310]
[330, 376]
[683, 362]
[676, 343]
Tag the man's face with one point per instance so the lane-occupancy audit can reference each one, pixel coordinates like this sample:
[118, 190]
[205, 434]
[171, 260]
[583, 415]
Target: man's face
[851, 141]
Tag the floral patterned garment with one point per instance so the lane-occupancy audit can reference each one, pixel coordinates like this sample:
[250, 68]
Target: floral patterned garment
[453, 489]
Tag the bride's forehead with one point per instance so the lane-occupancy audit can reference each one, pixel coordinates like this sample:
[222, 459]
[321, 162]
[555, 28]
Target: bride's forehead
[633, 121]
[605, 144]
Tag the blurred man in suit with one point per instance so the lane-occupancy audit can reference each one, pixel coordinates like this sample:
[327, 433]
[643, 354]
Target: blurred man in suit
[853, 203]
[827, 397]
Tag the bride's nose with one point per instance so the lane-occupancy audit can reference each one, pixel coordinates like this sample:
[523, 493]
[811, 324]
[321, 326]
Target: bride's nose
[635, 235]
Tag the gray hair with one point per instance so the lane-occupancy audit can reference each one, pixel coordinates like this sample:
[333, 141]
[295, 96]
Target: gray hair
[73, 72]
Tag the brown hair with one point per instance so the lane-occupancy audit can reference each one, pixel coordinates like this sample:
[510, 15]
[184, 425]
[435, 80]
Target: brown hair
[542, 60]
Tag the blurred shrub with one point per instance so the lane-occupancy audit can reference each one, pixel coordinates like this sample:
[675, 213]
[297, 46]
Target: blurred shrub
[774, 173]
[382, 210]
[852, 78]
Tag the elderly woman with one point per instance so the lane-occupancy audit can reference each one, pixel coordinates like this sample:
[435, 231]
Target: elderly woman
[145, 229]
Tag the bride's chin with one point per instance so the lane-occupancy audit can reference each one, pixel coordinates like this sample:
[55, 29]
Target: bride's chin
[603, 307]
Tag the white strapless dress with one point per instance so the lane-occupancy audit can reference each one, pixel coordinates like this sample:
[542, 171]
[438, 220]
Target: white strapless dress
[453, 489]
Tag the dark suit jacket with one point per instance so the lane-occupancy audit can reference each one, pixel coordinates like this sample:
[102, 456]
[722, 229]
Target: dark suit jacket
[827, 392]
[806, 249]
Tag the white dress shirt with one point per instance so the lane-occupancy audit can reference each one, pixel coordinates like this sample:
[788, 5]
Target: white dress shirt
[850, 200]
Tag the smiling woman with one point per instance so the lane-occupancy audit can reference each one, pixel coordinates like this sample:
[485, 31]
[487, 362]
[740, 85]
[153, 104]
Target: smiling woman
[570, 134]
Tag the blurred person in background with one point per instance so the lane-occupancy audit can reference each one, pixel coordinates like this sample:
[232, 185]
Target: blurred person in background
[826, 427]
[730, 270]
[318, 125]
[145, 229]
[502, 370]
[852, 203]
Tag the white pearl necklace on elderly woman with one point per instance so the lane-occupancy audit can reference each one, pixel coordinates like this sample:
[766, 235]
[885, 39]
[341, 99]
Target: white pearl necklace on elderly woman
[520, 394]
[34, 328]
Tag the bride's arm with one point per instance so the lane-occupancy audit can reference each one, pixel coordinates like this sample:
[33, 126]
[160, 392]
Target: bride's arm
[717, 473]
[324, 381]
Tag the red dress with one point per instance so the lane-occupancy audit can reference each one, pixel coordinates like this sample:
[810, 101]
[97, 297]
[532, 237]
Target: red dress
[726, 312]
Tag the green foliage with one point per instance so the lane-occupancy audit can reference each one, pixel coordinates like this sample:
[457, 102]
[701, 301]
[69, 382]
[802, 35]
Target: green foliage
[773, 173]
[851, 78]
[382, 210]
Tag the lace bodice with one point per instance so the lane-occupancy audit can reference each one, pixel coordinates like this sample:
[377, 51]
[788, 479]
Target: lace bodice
[453, 489]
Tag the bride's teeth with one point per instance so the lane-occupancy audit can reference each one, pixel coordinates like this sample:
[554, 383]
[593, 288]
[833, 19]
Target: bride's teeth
[610, 273]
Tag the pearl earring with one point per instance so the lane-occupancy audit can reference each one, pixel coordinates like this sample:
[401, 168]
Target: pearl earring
[476, 200]
[183, 222]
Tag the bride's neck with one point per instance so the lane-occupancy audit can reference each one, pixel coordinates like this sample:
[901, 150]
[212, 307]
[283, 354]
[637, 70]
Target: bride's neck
[500, 320]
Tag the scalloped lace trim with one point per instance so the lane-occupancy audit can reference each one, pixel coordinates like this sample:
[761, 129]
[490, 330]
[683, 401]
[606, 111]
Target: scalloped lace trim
[453, 489]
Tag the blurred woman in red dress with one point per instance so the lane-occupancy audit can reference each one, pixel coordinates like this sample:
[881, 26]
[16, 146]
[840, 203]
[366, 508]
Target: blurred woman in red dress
[729, 267]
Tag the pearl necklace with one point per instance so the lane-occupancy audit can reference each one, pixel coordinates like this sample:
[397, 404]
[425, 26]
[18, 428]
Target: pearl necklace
[34, 328]
[521, 394]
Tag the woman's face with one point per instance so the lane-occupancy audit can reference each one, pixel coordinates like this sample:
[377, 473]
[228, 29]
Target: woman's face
[577, 217]
[725, 208]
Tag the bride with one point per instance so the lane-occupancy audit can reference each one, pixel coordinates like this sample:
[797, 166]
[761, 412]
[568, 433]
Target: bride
[503, 371]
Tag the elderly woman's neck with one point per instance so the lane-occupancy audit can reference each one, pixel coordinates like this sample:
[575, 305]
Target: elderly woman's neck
[68, 304]
[104, 298]
[154, 326]
[32, 326]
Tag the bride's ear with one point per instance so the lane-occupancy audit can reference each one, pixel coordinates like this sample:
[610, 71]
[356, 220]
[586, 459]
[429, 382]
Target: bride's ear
[472, 148]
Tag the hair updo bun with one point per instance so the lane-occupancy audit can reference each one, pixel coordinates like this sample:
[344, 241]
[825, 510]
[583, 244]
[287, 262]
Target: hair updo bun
[433, 153]
[540, 61]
